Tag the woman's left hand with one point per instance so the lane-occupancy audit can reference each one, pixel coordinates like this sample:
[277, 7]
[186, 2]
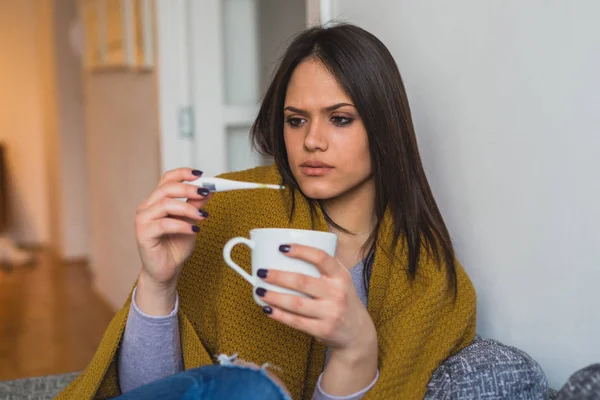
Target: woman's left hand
[334, 314]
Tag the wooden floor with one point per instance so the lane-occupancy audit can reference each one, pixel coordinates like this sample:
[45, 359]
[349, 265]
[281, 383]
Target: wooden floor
[51, 321]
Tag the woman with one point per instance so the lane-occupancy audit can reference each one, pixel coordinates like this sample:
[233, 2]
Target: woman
[389, 308]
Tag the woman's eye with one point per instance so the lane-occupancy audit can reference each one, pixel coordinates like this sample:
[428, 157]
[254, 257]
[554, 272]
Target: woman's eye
[295, 122]
[341, 121]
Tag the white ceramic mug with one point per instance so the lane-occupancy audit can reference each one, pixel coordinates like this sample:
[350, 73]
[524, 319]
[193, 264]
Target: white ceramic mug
[264, 244]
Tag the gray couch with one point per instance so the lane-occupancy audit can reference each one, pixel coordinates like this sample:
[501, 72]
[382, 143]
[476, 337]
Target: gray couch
[490, 370]
[39, 388]
[485, 370]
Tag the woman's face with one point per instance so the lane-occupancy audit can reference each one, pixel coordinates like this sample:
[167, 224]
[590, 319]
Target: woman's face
[325, 139]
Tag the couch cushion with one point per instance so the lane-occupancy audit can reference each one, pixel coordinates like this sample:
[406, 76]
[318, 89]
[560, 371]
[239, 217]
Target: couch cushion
[488, 370]
[582, 385]
[38, 388]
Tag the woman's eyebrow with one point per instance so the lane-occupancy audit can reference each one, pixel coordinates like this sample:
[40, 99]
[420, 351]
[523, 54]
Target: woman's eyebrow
[328, 109]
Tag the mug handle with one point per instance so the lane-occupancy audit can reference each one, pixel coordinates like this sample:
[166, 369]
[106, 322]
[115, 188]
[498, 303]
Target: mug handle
[227, 256]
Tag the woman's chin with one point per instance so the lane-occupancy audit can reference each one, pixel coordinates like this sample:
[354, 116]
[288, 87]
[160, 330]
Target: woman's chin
[319, 191]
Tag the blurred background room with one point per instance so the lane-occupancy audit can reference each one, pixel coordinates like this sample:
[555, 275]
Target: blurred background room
[99, 97]
[91, 115]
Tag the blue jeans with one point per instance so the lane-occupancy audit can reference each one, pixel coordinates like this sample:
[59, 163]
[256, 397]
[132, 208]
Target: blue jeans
[211, 382]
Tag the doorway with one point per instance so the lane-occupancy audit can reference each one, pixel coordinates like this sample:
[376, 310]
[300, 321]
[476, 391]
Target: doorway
[216, 58]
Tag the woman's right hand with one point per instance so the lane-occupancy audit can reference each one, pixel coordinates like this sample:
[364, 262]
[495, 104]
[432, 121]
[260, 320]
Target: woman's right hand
[166, 229]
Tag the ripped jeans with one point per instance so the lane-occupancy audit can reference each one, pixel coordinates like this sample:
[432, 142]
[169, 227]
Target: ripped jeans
[225, 381]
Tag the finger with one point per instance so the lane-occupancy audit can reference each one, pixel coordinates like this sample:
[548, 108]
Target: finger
[314, 287]
[168, 226]
[168, 207]
[301, 323]
[298, 305]
[326, 264]
[180, 175]
[201, 202]
[176, 190]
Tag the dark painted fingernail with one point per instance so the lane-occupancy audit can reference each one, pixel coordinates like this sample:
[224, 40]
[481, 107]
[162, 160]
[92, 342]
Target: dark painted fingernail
[196, 172]
[203, 213]
[203, 191]
[261, 291]
[262, 273]
[267, 310]
[196, 228]
[284, 248]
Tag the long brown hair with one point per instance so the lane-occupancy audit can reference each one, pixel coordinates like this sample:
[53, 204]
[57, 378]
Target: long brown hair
[368, 73]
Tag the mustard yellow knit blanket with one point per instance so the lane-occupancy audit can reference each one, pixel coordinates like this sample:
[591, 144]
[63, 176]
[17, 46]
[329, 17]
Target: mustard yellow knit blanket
[418, 323]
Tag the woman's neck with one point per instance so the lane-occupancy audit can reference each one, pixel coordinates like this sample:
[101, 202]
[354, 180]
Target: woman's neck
[355, 212]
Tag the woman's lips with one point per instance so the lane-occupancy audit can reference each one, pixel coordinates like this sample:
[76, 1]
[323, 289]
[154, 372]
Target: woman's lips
[315, 170]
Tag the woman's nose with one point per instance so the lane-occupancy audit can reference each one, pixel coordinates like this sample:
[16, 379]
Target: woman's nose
[315, 137]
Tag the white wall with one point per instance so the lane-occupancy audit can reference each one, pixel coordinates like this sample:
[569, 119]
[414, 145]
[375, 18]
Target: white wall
[506, 101]
[123, 165]
[72, 207]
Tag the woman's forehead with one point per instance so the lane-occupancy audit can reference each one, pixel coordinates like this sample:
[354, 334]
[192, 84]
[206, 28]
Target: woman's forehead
[313, 86]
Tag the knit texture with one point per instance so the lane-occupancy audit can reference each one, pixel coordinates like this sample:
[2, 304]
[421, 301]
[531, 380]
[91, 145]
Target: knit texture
[418, 323]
